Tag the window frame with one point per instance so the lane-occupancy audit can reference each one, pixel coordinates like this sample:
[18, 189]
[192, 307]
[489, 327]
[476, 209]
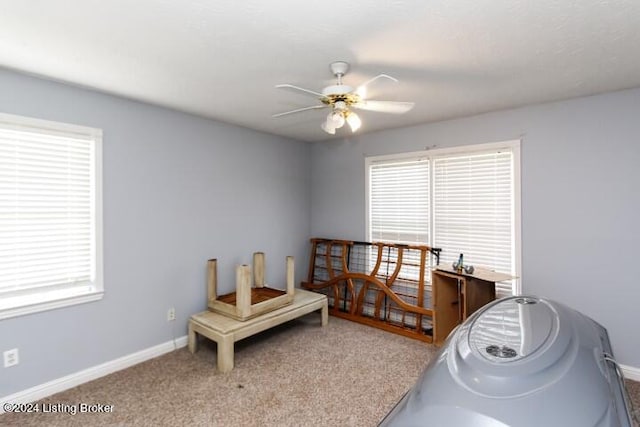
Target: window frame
[430, 154]
[25, 302]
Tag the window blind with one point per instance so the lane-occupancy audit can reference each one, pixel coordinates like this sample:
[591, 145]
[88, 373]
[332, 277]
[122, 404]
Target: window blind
[399, 202]
[462, 202]
[47, 209]
[473, 211]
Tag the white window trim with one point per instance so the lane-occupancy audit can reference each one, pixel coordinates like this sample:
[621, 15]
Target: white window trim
[53, 299]
[513, 145]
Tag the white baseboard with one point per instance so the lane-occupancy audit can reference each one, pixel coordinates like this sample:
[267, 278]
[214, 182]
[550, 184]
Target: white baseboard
[630, 372]
[61, 384]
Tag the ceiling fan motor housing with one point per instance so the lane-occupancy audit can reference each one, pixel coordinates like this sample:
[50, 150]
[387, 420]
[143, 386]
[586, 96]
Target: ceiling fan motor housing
[336, 90]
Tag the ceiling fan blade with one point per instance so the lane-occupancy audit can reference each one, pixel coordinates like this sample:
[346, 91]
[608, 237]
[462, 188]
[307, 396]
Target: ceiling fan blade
[394, 107]
[362, 89]
[315, 107]
[301, 89]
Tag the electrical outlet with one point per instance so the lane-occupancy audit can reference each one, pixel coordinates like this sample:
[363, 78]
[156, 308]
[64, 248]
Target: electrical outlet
[11, 357]
[171, 314]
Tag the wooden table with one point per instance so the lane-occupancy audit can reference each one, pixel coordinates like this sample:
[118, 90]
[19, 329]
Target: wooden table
[225, 331]
[458, 295]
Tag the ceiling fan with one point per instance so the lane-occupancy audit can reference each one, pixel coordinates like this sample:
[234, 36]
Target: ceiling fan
[341, 99]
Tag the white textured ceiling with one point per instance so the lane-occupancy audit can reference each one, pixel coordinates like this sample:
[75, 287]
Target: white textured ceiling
[222, 59]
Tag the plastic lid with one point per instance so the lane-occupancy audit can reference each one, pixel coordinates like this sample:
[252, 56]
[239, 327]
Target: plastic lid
[512, 329]
[512, 347]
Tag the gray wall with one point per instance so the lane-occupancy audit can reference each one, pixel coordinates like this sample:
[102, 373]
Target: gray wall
[580, 198]
[178, 190]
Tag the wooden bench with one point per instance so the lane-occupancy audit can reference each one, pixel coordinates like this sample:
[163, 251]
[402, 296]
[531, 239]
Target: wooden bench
[225, 331]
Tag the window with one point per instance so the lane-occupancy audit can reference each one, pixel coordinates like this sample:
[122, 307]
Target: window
[50, 215]
[463, 200]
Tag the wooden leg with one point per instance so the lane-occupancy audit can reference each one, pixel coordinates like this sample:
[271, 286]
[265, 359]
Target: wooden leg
[193, 339]
[225, 354]
[325, 314]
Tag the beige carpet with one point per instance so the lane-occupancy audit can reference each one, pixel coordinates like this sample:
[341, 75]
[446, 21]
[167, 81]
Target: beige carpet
[296, 375]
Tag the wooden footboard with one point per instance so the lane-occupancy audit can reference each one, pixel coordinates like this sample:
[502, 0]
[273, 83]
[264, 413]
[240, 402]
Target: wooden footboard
[377, 284]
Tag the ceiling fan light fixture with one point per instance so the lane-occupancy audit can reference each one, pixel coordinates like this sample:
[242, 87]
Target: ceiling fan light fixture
[354, 121]
[340, 106]
[328, 128]
[337, 119]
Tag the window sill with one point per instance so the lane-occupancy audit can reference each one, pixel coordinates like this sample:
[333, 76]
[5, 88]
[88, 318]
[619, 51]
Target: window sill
[20, 306]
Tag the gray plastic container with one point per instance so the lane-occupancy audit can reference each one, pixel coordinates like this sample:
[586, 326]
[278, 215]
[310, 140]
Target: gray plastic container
[519, 361]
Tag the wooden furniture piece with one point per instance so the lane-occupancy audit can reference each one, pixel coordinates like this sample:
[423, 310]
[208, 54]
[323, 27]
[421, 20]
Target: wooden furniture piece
[378, 284]
[225, 331]
[247, 301]
[457, 295]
